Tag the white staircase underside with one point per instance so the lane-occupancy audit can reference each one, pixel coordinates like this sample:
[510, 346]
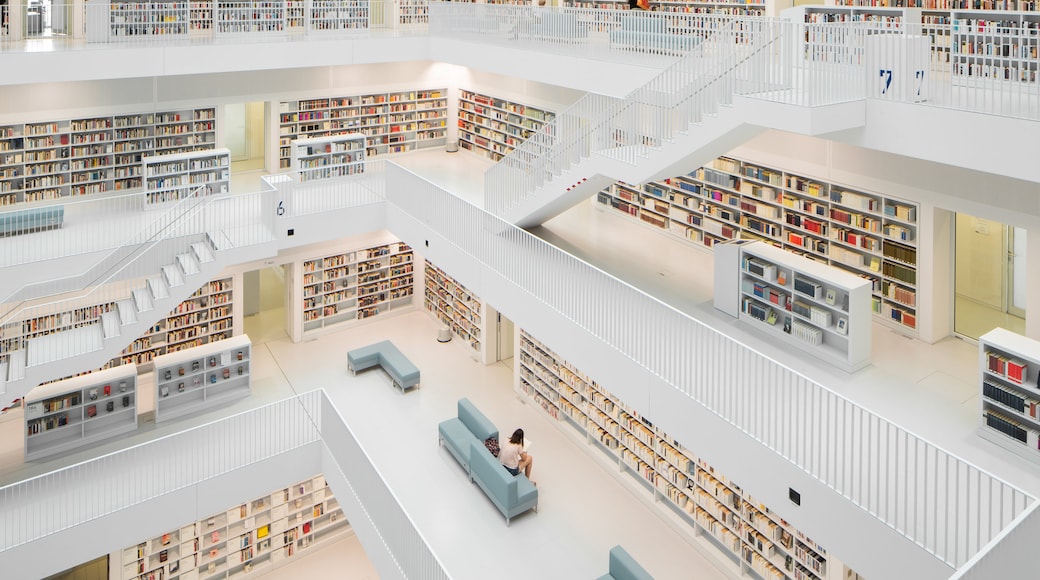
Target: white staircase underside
[64, 344]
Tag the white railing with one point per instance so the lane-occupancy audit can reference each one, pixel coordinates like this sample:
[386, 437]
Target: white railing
[395, 527]
[47, 504]
[325, 16]
[298, 198]
[946, 505]
[253, 17]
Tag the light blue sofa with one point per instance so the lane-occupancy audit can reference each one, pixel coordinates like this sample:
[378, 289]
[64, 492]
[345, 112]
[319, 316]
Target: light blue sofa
[649, 33]
[624, 567]
[403, 373]
[458, 434]
[512, 495]
[29, 220]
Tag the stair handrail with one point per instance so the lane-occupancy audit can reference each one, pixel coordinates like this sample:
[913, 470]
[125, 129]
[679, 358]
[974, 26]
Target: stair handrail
[118, 255]
[679, 94]
[116, 273]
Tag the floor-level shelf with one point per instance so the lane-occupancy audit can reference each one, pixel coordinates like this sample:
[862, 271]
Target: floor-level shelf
[202, 378]
[80, 411]
[327, 157]
[1009, 383]
[455, 306]
[493, 127]
[172, 178]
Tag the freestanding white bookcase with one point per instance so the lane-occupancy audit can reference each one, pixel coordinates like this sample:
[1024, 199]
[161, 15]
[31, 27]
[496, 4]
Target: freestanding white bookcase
[171, 178]
[203, 377]
[325, 157]
[1009, 372]
[817, 308]
[74, 412]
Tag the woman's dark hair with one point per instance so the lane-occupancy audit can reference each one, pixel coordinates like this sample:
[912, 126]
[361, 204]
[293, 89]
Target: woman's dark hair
[518, 437]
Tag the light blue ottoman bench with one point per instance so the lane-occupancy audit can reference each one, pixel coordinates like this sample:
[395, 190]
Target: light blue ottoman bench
[403, 373]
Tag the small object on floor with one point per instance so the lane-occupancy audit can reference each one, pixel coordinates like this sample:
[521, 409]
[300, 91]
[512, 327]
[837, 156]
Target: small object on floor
[444, 335]
[452, 147]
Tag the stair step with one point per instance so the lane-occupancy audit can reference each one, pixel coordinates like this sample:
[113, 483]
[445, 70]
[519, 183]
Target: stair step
[142, 300]
[173, 275]
[189, 265]
[16, 366]
[219, 240]
[202, 252]
[110, 324]
[64, 344]
[158, 288]
[127, 311]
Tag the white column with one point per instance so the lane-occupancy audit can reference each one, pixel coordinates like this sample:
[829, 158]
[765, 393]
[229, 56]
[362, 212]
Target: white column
[935, 263]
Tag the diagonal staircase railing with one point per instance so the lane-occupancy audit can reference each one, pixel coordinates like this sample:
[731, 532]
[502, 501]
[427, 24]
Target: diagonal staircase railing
[730, 58]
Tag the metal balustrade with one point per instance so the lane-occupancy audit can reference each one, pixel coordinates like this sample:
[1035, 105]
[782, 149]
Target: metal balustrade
[299, 198]
[944, 504]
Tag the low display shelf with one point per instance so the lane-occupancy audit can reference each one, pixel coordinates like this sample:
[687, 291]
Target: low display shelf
[1009, 379]
[327, 157]
[256, 536]
[454, 305]
[357, 284]
[748, 533]
[870, 235]
[392, 122]
[817, 308]
[171, 178]
[493, 127]
[201, 378]
[80, 411]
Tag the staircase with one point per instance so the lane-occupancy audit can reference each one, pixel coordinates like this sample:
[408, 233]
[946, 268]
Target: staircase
[685, 117]
[75, 348]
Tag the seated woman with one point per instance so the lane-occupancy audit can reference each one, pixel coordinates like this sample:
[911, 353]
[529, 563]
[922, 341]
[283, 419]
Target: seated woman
[514, 458]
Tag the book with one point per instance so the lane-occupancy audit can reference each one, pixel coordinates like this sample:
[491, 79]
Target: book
[262, 531]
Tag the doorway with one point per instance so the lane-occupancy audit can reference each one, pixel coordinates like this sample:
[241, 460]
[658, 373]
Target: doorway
[263, 304]
[45, 18]
[504, 337]
[244, 135]
[989, 278]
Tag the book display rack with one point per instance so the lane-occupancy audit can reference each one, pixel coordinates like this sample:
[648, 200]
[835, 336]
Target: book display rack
[393, 122]
[256, 536]
[206, 316]
[171, 178]
[74, 412]
[201, 378]
[56, 159]
[326, 157]
[455, 306]
[412, 11]
[493, 127]
[749, 534]
[357, 284]
[201, 17]
[1009, 379]
[870, 235]
[820, 309]
[250, 16]
[135, 19]
[332, 15]
[999, 46]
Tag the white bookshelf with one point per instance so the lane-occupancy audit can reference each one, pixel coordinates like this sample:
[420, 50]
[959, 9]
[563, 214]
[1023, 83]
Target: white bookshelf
[758, 542]
[202, 378]
[171, 178]
[354, 285]
[80, 411]
[493, 127]
[327, 157]
[996, 46]
[817, 308]
[1009, 388]
[238, 17]
[255, 537]
[870, 235]
[392, 122]
[337, 16]
[457, 307]
[46, 160]
[134, 20]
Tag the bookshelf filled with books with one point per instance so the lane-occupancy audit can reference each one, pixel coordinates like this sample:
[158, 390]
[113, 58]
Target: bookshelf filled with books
[79, 411]
[353, 285]
[202, 378]
[820, 309]
[234, 17]
[334, 15]
[412, 12]
[493, 127]
[327, 157]
[867, 234]
[137, 19]
[171, 178]
[1009, 379]
[46, 160]
[257, 536]
[995, 46]
[206, 316]
[392, 122]
[455, 306]
[753, 537]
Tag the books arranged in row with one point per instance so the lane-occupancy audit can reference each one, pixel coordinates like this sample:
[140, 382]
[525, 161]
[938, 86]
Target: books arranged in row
[454, 305]
[493, 127]
[190, 381]
[258, 535]
[870, 235]
[1011, 368]
[1010, 397]
[326, 157]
